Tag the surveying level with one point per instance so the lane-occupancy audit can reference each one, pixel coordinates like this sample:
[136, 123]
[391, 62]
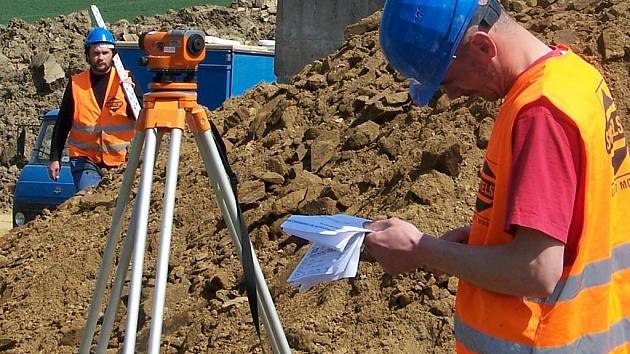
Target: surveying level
[169, 107]
[174, 51]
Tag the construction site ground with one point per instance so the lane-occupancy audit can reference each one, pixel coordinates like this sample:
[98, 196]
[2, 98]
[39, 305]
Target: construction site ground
[6, 222]
[341, 137]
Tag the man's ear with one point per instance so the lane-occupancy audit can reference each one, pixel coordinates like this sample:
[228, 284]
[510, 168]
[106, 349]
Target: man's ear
[481, 42]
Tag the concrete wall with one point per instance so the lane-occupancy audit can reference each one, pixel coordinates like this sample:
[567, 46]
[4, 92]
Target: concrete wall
[310, 29]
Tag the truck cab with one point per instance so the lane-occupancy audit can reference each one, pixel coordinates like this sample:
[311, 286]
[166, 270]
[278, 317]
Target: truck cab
[34, 190]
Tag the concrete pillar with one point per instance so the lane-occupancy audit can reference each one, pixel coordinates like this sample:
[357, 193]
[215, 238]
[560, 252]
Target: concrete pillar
[310, 29]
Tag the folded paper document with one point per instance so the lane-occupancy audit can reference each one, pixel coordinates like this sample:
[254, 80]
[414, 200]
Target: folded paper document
[335, 251]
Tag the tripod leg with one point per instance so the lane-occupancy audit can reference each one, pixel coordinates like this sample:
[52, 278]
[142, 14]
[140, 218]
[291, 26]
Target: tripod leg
[159, 293]
[112, 239]
[224, 192]
[232, 228]
[144, 199]
[114, 295]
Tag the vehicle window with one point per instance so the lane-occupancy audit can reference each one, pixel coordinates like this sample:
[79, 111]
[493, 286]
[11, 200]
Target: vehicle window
[41, 151]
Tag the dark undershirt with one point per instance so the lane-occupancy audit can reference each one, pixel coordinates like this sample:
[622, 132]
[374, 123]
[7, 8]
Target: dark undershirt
[63, 125]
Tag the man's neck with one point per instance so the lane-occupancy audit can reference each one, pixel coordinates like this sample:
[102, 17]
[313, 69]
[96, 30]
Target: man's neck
[520, 50]
[98, 73]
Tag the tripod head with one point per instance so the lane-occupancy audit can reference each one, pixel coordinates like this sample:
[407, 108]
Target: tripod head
[173, 54]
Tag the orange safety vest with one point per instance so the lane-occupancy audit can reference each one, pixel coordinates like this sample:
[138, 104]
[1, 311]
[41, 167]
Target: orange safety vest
[100, 135]
[589, 311]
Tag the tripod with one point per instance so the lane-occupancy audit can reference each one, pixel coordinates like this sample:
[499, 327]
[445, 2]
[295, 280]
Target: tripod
[168, 108]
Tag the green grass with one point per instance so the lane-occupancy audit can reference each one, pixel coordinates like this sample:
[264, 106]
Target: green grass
[112, 11]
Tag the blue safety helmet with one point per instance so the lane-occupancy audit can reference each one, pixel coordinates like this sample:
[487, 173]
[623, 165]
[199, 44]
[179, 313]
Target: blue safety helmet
[100, 35]
[419, 39]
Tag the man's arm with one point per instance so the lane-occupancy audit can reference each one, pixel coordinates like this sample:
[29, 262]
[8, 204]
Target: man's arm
[530, 265]
[62, 125]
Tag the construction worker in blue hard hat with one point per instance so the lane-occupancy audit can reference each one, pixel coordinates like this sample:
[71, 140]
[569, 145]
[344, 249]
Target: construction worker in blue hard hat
[543, 266]
[95, 114]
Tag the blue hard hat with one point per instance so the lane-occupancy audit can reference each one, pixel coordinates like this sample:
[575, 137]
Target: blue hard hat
[419, 39]
[100, 35]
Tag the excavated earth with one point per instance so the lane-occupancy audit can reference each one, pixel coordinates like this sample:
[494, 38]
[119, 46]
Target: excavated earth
[341, 137]
[37, 59]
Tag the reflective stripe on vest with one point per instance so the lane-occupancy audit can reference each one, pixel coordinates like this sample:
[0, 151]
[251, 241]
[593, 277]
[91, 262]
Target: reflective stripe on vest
[589, 310]
[102, 135]
[617, 335]
[99, 148]
[595, 274]
[94, 129]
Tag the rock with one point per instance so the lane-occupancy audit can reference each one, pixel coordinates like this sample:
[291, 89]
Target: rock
[46, 72]
[251, 191]
[131, 37]
[300, 152]
[518, 6]
[362, 135]
[312, 133]
[321, 152]
[442, 104]
[234, 302]
[289, 201]
[7, 344]
[441, 309]
[400, 299]
[320, 206]
[276, 165]
[546, 3]
[565, 36]
[611, 43]
[444, 156]
[484, 131]
[433, 292]
[70, 336]
[272, 177]
[452, 285]
[316, 82]
[578, 5]
[302, 340]
[367, 24]
[430, 187]
[397, 98]
[289, 116]
[4, 62]
[390, 147]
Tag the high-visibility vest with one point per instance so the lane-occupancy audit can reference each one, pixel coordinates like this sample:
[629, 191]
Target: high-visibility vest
[100, 135]
[589, 311]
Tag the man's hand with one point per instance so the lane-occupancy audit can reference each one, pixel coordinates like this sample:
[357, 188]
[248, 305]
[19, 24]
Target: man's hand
[459, 235]
[53, 170]
[394, 245]
[128, 81]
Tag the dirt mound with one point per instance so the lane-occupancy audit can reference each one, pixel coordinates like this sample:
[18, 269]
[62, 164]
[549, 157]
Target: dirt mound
[342, 137]
[37, 59]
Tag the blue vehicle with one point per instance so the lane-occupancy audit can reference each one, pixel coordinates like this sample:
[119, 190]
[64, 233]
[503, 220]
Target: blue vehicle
[227, 70]
[34, 190]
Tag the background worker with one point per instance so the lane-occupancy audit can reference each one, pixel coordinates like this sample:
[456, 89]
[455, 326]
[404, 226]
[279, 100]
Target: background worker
[544, 265]
[95, 114]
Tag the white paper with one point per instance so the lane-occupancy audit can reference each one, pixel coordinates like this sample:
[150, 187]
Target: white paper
[335, 251]
[332, 230]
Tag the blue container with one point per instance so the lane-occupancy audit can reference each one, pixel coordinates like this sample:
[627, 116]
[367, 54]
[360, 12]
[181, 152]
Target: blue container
[227, 70]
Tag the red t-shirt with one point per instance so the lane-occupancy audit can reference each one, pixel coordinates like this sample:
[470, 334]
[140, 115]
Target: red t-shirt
[546, 190]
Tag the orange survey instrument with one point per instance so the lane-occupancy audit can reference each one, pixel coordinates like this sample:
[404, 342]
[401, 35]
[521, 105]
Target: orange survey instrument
[174, 51]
